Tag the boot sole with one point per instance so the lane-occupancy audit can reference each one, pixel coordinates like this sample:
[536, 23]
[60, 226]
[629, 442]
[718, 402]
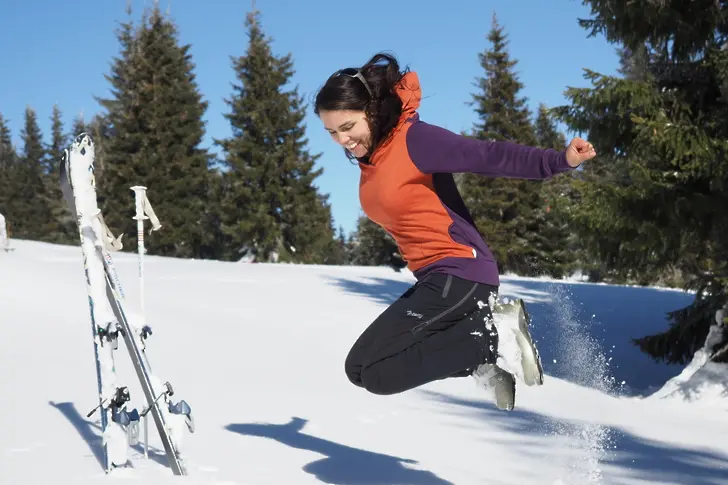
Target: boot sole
[531, 360]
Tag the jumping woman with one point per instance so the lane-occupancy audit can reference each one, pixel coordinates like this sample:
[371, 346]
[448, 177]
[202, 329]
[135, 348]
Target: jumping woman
[442, 326]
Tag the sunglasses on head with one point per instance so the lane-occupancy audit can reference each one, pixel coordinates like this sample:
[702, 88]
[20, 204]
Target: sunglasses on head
[355, 73]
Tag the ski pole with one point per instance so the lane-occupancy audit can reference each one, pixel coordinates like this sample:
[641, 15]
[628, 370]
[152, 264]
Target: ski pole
[139, 194]
[120, 397]
[140, 198]
[169, 391]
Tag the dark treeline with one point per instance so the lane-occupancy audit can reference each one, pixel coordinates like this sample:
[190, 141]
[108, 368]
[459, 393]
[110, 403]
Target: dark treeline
[650, 209]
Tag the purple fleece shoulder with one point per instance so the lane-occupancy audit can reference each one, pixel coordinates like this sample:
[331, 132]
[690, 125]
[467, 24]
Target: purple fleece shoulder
[436, 150]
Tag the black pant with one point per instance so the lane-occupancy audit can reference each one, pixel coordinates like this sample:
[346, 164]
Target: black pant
[435, 330]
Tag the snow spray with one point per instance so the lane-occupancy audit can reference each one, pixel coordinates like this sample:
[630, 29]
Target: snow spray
[583, 362]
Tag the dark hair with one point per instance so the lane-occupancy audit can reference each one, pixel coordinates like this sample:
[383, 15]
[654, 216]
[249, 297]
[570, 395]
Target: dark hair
[376, 97]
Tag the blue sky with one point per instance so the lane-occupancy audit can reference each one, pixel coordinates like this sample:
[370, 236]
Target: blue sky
[61, 52]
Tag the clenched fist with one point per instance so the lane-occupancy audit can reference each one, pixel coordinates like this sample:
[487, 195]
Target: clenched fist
[579, 151]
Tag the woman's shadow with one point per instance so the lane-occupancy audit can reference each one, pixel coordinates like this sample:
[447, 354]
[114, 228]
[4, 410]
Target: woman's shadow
[343, 464]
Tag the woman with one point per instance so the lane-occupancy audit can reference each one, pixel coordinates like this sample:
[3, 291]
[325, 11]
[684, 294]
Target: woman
[442, 326]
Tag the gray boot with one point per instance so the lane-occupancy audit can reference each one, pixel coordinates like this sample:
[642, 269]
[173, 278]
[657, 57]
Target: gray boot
[499, 383]
[512, 321]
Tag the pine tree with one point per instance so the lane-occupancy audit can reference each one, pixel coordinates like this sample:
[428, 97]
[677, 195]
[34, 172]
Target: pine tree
[633, 64]
[269, 204]
[342, 255]
[77, 127]
[30, 209]
[100, 129]
[337, 251]
[150, 135]
[59, 141]
[505, 210]
[547, 135]
[373, 246]
[561, 247]
[660, 132]
[8, 173]
[609, 170]
[63, 227]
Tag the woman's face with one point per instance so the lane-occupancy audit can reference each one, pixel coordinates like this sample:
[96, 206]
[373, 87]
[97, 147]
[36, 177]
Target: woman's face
[349, 129]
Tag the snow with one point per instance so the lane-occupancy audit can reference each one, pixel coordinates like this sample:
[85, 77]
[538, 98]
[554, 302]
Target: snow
[702, 381]
[257, 350]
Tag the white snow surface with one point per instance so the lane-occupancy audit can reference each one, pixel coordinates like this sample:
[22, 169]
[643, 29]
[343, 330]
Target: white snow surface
[257, 351]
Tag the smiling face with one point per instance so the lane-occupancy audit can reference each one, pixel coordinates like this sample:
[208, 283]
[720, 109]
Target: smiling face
[349, 129]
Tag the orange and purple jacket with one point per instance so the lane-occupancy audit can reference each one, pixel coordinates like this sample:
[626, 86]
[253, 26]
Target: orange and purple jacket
[407, 188]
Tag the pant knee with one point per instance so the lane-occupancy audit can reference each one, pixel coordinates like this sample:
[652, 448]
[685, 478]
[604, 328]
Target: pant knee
[371, 380]
[352, 369]
[367, 377]
[354, 377]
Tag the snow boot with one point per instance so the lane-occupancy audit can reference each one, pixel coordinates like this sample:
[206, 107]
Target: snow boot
[512, 322]
[499, 383]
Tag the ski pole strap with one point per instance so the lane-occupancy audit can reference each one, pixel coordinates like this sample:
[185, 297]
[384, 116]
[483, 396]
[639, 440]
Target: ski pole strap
[149, 212]
[111, 243]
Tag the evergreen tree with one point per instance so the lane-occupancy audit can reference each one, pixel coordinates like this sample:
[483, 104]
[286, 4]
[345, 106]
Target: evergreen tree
[150, 135]
[547, 135]
[59, 142]
[337, 252]
[216, 243]
[342, 254]
[8, 173]
[77, 127]
[561, 247]
[269, 204]
[63, 228]
[100, 129]
[505, 210]
[31, 211]
[660, 132]
[633, 64]
[373, 246]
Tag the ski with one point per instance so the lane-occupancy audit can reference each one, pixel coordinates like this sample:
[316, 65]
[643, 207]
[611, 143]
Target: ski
[103, 329]
[79, 189]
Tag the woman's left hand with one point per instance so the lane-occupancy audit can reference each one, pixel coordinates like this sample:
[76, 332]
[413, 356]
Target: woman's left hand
[579, 151]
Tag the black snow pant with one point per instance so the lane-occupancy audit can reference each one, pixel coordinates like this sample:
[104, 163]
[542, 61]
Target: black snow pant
[435, 330]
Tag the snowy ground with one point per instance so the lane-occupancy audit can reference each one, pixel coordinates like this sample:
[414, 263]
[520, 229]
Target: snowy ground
[258, 351]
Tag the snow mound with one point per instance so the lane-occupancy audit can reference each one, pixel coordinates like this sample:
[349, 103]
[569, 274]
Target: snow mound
[702, 381]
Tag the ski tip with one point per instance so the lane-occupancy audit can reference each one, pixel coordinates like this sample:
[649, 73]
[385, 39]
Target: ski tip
[82, 140]
[82, 152]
